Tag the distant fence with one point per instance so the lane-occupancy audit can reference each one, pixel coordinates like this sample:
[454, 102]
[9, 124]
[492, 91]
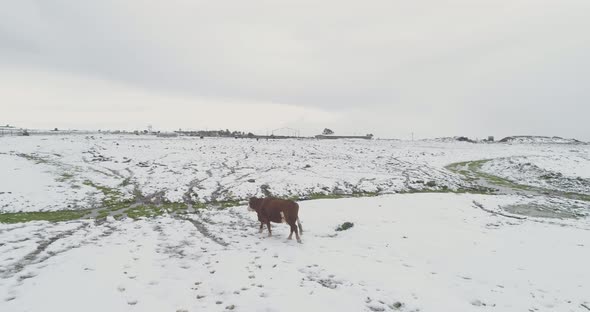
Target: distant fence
[25, 132]
[9, 131]
[60, 132]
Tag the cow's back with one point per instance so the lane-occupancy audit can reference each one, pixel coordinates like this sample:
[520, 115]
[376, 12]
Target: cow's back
[273, 207]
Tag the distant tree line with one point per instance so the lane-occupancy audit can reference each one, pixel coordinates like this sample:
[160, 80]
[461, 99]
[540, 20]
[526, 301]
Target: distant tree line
[216, 133]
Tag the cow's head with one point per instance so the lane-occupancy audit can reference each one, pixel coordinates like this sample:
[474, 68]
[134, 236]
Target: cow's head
[254, 203]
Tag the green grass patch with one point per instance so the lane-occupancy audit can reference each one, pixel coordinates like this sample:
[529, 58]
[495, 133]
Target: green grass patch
[313, 196]
[474, 172]
[102, 214]
[364, 194]
[34, 158]
[323, 196]
[147, 211]
[228, 203]
[114, 205]
[118, 216]
[151, 210]
[578, 196]
[107, 191]
[51, 216]
[475, 190]
[174, 207]
[64, 177]
[199, 205]
[125, 182]
[113, 198]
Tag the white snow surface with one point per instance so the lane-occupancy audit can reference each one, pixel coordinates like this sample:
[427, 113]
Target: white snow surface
[406, 252]
[49, 172]
[569, 173]
[429, 252]
[540, 140]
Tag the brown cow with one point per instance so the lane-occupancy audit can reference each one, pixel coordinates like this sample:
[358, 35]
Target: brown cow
[278, 211]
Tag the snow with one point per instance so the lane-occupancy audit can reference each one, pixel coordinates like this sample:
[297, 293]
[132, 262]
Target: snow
[219, 169]
[569, 173]
[425, 252]
[574, 165]
[539, 140]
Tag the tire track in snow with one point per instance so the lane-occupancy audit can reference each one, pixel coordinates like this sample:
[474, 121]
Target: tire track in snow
[200, 226]
[33, 257]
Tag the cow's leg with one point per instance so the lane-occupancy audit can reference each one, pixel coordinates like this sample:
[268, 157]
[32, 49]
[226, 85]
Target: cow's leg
[291, 234]
[268, 226]
[294, 229]
[294, 226]
[261, 227]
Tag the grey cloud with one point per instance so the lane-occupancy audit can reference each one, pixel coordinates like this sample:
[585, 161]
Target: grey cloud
[448, 60]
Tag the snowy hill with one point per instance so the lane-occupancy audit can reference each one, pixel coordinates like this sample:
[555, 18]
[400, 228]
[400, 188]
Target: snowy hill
[526, 139]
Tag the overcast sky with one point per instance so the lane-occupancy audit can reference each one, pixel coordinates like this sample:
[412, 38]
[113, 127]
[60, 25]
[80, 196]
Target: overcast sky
[432, 67]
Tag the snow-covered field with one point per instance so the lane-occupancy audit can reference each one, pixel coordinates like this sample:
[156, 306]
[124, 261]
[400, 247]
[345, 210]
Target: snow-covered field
[49, 172]
[407, 250]
[569, 173]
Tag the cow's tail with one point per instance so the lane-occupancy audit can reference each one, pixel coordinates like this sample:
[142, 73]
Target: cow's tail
[300, 227]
